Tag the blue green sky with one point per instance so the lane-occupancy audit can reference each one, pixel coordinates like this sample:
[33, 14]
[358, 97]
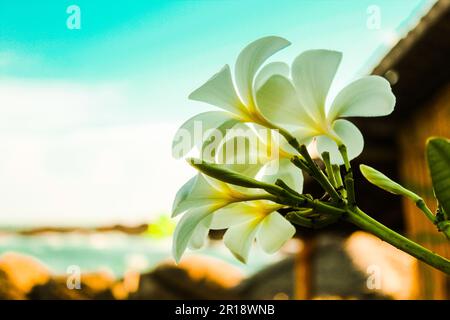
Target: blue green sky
[86, 116]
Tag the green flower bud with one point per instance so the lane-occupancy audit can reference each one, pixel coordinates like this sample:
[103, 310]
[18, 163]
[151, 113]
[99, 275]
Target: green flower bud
[380, 180]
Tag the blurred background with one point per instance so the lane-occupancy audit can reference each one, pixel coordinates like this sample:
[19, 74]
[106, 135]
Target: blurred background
[91, 94]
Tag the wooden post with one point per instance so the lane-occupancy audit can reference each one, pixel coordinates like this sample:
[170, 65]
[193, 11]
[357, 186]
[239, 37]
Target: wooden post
[303, 270]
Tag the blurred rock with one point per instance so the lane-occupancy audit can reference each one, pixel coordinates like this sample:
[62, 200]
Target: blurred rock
[93, 286]
[7, 290]
[197, 277]
[214, 270]
[19, 274]
[276, 281]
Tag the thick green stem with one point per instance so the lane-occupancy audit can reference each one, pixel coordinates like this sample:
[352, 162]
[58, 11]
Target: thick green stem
[365, 222]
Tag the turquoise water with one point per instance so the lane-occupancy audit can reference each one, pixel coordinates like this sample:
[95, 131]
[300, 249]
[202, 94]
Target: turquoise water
[113, 252]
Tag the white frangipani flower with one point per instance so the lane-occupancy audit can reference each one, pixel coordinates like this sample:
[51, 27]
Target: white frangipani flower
[199, 199]
[246, 221]
[236, 99]
[302, 102]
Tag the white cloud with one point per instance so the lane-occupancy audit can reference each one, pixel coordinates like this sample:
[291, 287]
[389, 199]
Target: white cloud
[119, 174]
[85, 175]
[56, 105]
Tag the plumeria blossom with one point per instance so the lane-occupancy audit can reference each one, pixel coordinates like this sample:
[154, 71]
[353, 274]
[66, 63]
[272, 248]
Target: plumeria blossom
[209, 203]
[246, 221]
[301, 102]
[236, 98]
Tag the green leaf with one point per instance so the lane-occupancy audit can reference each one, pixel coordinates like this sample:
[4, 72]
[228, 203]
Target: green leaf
[380, 180]
[438, 157]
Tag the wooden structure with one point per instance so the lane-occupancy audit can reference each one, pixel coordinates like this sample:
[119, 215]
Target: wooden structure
[418, 68]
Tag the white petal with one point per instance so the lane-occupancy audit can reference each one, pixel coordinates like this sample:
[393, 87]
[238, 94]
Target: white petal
[274, 231]
[370, 96]
[242, 151]
[283, 169]
[187, 225]
[191, 133]
[240, 238]
[270, 69]
[219, 91]
[278, 102]
[240, 146]
[250, 60]
[304, 135]
[215, 138]
[234, 214]
[198, 191]
[312, 73]
[350, 136]
[200, 234]
[182, 195]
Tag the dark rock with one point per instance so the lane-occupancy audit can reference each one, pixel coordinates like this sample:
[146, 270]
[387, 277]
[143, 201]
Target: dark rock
[172, 282]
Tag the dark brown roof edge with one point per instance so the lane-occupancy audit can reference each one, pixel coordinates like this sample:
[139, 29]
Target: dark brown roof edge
[407, 42]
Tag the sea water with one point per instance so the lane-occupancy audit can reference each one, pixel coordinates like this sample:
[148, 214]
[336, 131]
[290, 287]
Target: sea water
[113, 252]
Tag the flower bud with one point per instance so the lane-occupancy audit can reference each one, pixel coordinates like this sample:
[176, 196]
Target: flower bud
[380, 180]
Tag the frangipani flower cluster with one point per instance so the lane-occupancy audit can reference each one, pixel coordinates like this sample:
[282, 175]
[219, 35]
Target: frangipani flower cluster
[276, 97]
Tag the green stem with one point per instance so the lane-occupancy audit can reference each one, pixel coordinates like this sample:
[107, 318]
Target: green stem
[298, 218]
[339, 183]
[328, 168]
[289, 138]
[343, 150]
[258, 197]
[348, 177]
[301, 164]
[350, 188]
[365, 222]
[422, 206]
[319, 176]
[283, 185]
